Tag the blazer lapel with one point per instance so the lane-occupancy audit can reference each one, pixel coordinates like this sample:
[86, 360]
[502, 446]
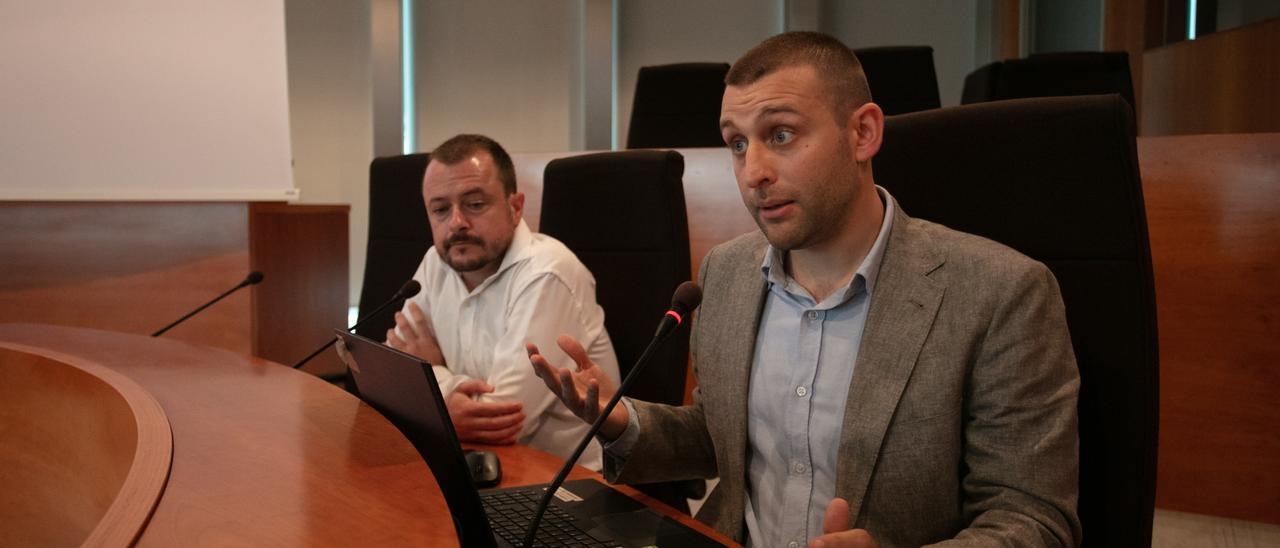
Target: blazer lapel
[745, 286]
[904, 304]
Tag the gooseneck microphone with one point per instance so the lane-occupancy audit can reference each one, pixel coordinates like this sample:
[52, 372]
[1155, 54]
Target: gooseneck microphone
[253, 278]
[687, 298]
[409, 289]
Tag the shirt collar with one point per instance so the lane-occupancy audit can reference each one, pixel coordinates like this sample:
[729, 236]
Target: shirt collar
[863, 278]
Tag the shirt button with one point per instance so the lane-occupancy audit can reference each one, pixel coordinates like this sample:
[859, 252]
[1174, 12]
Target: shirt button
[798, 467]
[801, 391]
[813, 315]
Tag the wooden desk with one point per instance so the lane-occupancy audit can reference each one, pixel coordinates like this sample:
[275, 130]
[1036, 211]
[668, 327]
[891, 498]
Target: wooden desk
[265, 455]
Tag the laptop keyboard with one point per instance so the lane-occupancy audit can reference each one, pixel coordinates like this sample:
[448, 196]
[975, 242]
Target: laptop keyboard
[511, 510]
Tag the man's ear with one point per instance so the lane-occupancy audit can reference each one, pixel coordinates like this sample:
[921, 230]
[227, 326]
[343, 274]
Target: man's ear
[515, 201]
[866, 128]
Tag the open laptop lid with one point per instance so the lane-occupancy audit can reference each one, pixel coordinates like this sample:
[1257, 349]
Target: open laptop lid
[403, 388]
[396, 384]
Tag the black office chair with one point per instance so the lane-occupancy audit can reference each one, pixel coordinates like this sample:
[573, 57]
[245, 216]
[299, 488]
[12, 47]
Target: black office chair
[623, 214]
[902, 78]
[1057, 179]
[398, 235]
[677, 106]
[1051, 75]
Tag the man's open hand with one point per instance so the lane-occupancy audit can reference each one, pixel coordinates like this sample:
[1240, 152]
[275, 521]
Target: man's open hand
[584, 391]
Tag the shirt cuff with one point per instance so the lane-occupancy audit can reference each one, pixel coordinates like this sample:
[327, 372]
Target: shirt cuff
[620, 448]
[446, 379]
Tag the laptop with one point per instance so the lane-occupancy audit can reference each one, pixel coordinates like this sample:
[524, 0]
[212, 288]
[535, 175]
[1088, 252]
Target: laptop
[582, 513]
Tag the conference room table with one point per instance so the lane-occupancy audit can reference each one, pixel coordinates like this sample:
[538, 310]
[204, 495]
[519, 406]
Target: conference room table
[119, 439]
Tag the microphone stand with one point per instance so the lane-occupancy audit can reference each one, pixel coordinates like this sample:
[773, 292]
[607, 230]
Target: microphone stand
[555, 484]
[253, 278]
[409, 289]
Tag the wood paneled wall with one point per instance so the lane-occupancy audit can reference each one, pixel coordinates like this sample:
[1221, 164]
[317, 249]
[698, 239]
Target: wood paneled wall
[128, 267]
[1133, 26]
[133, 267]
[1213, 210]
[304, 296]
[1225, 82]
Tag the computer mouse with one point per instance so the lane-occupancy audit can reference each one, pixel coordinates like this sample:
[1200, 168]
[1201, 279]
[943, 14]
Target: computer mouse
[486, 470]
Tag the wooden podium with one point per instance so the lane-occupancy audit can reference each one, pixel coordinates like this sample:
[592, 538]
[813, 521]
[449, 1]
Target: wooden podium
[120, 439]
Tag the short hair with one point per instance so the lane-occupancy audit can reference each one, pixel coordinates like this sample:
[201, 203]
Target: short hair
[461, 147]
[834, 62]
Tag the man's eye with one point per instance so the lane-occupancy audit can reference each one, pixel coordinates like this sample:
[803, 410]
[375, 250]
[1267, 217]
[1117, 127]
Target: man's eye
[738, 146]
[437, 211]
[476, 206]
[783, 137]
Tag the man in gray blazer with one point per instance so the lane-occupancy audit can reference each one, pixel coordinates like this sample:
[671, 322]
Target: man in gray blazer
[864, 378]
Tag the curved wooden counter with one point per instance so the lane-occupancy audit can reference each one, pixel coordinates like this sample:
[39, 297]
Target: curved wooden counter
[86, 451]
[265, 455]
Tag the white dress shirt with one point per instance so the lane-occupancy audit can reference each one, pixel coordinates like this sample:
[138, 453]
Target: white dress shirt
[539, 292]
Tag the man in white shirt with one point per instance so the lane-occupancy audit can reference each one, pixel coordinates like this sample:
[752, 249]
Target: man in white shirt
[489, 286]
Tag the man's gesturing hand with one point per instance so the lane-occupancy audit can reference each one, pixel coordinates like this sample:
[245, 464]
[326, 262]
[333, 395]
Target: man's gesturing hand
[418, 338]
[584, 391]
[836, 526]
[481, 422]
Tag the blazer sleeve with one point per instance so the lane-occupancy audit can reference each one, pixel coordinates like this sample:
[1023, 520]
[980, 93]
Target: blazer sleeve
[674, 443]
[1021, 442]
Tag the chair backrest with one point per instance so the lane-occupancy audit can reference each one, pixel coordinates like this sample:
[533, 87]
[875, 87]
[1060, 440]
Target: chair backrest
[398, 234]
[902, 78]
[623, 214]
[677, 106]
[1051, 75]
[1057, 179]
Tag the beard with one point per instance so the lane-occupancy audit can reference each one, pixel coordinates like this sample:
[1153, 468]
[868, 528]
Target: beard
[469, 263]
[820, 214]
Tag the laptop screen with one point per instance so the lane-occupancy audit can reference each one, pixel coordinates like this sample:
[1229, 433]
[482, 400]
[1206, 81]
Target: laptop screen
[403, 388]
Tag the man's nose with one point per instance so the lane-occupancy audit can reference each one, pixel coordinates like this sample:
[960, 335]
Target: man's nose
[758, 166]
[458, 220]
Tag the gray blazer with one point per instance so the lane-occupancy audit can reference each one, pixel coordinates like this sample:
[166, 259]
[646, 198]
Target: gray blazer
[961, 417]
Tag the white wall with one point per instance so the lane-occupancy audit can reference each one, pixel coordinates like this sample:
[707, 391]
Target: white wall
[1065, 26]
[657, 32]
[506, 69]
[331, 111]
[517, 70]
[950, 27]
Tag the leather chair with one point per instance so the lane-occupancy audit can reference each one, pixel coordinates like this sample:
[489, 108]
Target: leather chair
[902, 78]
[1057, 179]
[398, 235]
[623, 214]
[677, 106]
[1051, 75]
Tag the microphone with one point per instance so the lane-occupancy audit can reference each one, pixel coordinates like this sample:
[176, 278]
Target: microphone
[253, 278]
[685, 300]
[409, 289]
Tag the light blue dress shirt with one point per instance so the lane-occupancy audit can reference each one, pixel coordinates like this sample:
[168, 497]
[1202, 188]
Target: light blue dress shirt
[804, 358]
